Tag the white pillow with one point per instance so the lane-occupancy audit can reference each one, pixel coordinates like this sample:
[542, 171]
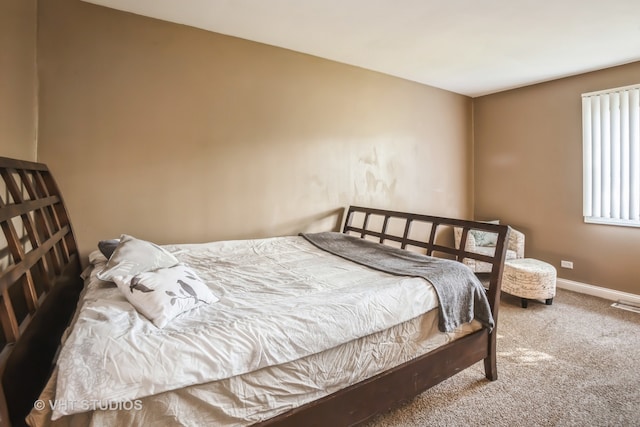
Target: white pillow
[163, 294]
[133, 256]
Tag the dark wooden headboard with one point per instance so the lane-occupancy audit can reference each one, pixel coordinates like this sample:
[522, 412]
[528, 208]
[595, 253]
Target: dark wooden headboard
[40, 282]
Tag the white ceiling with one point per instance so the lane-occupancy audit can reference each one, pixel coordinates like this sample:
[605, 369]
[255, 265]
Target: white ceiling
[472, 47]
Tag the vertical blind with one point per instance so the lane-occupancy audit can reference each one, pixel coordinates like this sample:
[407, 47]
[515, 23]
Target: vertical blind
[611, 156]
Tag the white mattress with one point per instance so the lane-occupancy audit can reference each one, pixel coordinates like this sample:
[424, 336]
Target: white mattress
[248, 277]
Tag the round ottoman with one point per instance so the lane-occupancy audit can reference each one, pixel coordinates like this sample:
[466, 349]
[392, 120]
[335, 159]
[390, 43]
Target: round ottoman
[529, 278]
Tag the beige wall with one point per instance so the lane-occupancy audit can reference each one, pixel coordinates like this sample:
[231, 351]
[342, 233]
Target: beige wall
[18, 79]
[528, 172]
[174, 134]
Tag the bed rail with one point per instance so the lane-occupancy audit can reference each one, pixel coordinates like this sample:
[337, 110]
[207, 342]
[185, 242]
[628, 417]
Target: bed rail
[433, 236]
[39, 282]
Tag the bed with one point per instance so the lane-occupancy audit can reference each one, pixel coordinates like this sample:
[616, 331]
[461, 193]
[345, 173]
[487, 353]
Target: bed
[415, 344]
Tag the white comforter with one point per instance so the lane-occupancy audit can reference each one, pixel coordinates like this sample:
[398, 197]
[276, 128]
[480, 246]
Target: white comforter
[281, 299]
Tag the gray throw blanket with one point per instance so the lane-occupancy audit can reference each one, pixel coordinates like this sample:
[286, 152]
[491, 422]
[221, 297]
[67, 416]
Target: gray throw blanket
[461, 295]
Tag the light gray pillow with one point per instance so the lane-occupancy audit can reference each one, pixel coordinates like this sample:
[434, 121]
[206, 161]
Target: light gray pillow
[133, 256]
[163, 294]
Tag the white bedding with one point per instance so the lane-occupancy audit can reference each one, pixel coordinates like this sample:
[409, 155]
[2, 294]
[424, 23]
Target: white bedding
[274, 340]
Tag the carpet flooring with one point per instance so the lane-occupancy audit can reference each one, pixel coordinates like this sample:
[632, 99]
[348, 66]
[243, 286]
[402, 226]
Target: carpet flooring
[574, 363]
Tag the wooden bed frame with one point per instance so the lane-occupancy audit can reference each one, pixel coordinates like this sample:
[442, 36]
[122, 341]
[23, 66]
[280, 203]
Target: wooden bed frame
[40, 285]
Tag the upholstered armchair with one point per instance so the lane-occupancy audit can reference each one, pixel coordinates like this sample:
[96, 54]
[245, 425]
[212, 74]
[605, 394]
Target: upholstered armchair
[482, 243]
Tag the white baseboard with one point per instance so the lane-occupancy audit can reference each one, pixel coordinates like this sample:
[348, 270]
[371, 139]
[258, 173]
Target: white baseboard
[610, 294]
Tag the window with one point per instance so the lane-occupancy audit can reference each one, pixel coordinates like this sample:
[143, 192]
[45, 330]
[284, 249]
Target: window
[611, 156]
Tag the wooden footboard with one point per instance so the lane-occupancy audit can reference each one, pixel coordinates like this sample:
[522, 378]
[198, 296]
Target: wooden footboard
[39, 284]
[433, 236]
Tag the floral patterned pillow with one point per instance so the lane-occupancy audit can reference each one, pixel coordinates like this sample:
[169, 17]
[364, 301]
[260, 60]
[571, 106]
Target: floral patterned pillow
[485, 238]
[133, 256]
[163, 294]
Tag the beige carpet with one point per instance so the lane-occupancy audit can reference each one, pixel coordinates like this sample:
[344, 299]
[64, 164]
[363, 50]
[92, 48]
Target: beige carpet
[574, 363]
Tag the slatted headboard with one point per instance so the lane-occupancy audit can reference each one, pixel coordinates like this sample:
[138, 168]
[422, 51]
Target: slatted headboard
[39, 283]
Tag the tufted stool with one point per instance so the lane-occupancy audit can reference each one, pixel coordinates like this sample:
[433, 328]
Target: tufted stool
[529, 278]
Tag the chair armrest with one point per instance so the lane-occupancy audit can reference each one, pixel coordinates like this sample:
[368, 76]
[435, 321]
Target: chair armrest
[516, 242]
[471, 241]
